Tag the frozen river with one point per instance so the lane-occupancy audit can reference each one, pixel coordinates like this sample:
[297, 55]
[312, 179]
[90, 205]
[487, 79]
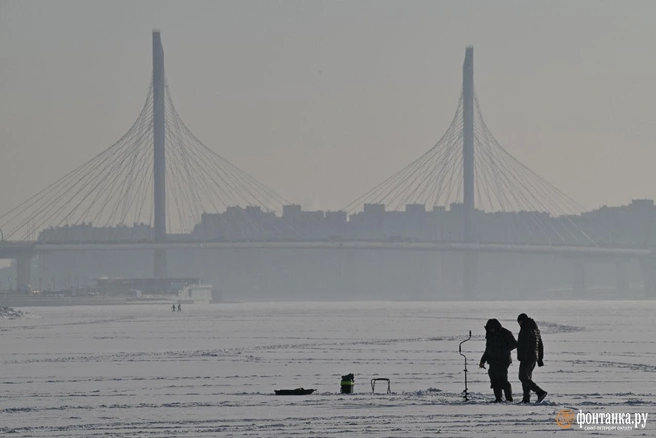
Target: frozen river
[142, 370]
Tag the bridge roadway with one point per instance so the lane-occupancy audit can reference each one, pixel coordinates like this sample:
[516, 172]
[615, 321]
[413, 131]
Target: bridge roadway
[16, 249]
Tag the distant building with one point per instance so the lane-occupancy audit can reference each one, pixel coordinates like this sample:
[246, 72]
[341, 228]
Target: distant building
[628, 225]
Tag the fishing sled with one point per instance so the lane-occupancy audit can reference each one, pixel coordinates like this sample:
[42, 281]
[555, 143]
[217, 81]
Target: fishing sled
[297, 391]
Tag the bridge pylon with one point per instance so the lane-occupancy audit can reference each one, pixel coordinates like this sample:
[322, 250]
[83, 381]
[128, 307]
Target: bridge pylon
[647, 266]
[623, 279]
[470, 259]
[23, 271]
[579, 286]
[159, 155]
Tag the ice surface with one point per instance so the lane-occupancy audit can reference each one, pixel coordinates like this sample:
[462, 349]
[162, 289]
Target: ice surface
[211, 370]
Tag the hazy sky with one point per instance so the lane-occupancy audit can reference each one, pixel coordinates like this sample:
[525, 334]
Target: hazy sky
[323, 100]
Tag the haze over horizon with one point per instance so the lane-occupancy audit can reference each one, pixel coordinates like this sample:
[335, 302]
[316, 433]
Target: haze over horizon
[321, 101]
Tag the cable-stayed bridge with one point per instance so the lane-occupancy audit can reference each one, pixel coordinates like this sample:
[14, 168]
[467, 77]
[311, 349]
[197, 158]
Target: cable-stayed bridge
[469, 168]
[161, 179]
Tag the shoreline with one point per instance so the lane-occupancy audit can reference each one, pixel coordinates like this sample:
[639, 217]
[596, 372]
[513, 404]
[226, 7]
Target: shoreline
[83, 301]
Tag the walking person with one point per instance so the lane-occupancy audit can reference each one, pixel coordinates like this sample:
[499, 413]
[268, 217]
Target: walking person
[499, 342]
[530, 352]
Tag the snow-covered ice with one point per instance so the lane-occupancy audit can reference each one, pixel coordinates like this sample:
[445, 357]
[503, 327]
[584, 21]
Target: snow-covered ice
[8, 312]
[138, 370]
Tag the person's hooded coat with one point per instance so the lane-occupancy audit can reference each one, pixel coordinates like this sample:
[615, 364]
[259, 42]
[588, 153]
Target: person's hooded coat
[529, 342]
[498, 345]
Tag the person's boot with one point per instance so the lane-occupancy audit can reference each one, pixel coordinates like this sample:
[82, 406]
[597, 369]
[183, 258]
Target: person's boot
[542, 396]
[527, 392]
[508, 392]
[497, 395]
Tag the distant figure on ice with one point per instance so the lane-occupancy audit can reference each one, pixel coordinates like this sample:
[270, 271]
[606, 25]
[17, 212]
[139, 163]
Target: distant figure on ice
[499, 342]
[173, 308]
[179, 308]
[529, 352]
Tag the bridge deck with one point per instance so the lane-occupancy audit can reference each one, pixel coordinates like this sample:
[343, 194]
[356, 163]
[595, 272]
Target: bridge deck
[10, 249]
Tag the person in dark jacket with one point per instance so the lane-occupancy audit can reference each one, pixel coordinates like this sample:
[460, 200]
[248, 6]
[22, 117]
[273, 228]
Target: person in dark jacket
[529, 352]
[499, 342]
